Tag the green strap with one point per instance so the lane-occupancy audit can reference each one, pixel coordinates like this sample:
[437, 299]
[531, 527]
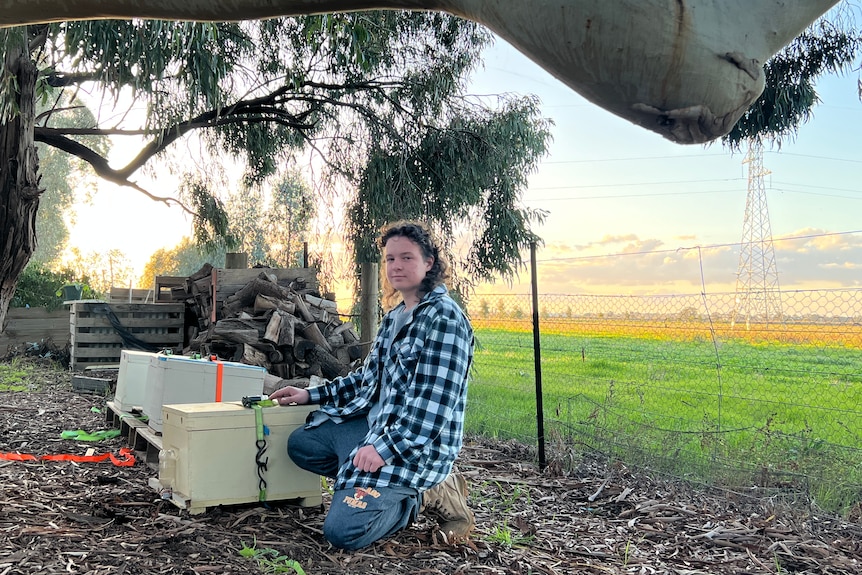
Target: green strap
[82, 435]
[258, 421]
[260, 445]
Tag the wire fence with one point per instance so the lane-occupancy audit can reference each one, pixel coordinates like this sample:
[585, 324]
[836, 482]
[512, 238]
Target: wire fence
[698, 385]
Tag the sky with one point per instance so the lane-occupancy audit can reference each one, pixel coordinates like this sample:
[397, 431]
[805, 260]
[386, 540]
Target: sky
[611, 188]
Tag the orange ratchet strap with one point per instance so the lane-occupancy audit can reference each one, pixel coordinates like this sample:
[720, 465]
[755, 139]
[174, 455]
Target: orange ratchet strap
[126, 459]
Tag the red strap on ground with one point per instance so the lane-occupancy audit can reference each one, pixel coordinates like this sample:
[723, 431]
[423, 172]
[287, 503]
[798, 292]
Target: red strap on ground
[126, 458]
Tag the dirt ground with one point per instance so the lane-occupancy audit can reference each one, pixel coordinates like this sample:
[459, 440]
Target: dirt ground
[586, 516]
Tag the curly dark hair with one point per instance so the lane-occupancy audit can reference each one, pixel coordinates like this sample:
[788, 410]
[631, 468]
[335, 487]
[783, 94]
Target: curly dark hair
[422, 236]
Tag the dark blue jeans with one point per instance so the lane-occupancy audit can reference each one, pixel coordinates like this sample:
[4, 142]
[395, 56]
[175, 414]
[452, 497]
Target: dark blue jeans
[359, 516]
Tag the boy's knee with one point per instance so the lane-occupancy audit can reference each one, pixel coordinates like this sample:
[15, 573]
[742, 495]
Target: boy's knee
[339, 537]
[298, 445]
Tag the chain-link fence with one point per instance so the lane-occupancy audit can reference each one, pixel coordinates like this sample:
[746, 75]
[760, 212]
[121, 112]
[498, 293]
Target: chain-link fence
[698, 385]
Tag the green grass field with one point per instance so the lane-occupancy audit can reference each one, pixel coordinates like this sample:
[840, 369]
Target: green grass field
[770, 410]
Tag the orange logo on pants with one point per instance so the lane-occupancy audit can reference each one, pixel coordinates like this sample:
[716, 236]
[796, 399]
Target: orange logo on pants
[359, 494]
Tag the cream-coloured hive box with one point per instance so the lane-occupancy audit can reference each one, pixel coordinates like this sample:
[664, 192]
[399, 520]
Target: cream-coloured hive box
[132, 379]
[209, 451]
[180, 379]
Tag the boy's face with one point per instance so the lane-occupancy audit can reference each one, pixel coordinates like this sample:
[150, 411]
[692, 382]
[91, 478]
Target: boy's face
[405, 265]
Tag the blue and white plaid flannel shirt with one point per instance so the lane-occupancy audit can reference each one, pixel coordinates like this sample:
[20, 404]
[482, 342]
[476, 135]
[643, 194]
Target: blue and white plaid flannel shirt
[418, 427]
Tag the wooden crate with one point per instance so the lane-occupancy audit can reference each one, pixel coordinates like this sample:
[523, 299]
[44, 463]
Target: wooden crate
[126, 295]
[96, 341]
[171, 288]
[33, 325]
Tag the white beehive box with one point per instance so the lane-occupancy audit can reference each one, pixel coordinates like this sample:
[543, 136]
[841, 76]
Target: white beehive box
[208, 456]
[132, 379]
[180, 379]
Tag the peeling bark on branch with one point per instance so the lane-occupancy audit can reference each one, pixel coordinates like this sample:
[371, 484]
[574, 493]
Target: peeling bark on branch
[687, 70]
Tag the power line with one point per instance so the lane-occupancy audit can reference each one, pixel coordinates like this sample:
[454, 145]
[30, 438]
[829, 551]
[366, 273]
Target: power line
[649, 158]
[830, 158]
[637, 158]
[686, 248]
[819, 195]
[701, 192]
[664, 183]
[618, 196]
[830, 188]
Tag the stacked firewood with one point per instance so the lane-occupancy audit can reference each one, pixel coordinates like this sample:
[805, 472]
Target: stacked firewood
[199, 300]
[288, 330]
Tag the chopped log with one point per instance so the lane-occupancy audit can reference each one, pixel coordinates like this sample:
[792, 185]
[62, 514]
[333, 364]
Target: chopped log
[343, 355]
[246, 296]
[228, 333]
[321, 303]
[357, 351]
[308, 370]
[347, 331]
[275, 356]
[273, 329]
[312, 332]
[252, 356]
[271, 383]
[302, 309]
[275, 383]
[227, 351]
[287, 334]
[263, 303]
[302, 348]
[335, 341]
[282, 370]
[243, 323]
[206, 271]
[330, 367]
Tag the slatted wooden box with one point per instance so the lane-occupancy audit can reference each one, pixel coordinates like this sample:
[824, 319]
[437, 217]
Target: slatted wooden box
[98, 330]
[32, 325]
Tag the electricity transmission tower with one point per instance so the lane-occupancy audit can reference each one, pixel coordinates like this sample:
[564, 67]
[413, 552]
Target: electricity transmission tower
[758, 296]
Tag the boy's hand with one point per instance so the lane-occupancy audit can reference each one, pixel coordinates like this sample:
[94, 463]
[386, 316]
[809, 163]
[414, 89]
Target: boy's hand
[367, 459]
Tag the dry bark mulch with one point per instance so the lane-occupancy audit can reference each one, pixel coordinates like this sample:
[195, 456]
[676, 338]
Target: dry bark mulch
[598, 517]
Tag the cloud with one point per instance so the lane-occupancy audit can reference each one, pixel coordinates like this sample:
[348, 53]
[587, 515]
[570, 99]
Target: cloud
[811, 257]
[628, 264]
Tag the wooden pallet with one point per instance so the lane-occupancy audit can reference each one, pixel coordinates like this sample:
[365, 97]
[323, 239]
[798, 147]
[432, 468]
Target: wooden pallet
[146, 442]
[95, 341]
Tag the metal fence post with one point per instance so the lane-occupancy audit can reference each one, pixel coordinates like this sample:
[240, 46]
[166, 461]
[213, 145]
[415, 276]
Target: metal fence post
[537, 358]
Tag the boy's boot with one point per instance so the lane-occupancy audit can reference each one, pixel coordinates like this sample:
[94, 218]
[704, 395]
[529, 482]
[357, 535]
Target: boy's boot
[447, 502]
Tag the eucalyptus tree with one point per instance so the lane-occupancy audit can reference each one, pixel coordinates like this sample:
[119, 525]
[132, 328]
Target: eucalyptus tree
[287, 219]
[255, 92]
[466, 182]
[271, 220]
[183, 259]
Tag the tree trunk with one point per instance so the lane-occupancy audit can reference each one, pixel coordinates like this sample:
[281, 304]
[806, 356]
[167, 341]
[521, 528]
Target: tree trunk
[368, 294]
[19, 180]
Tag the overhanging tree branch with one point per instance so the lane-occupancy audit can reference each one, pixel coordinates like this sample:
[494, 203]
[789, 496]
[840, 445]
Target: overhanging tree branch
[99, 164]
